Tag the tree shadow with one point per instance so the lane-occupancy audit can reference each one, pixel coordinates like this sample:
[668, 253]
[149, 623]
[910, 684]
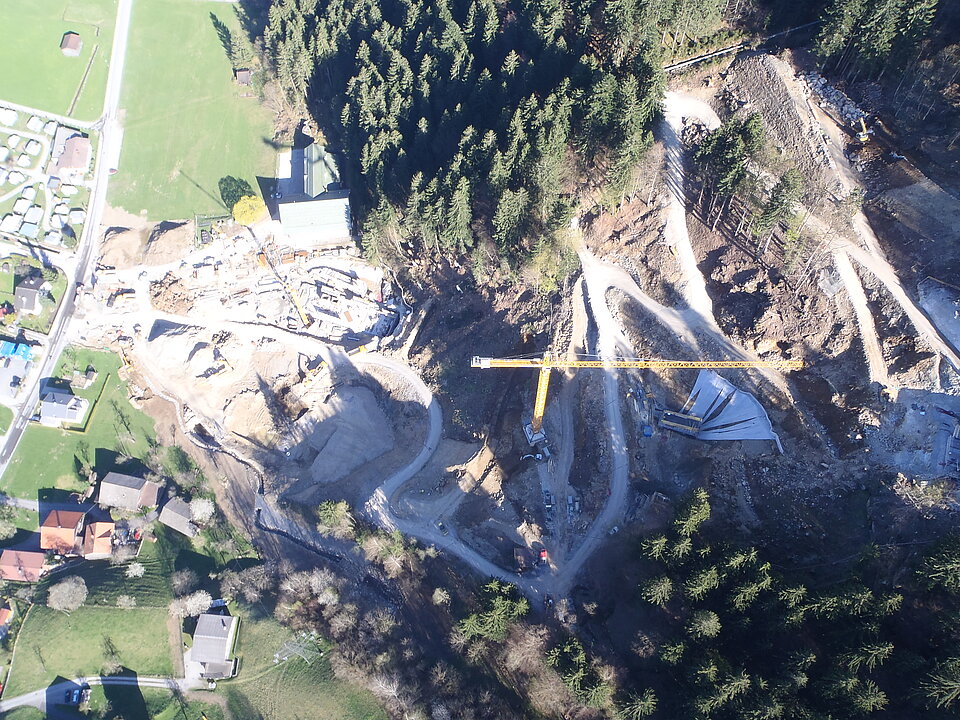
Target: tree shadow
[125, 701]
[232, 189]
[253, 16]
[224, 34]
[106, 460]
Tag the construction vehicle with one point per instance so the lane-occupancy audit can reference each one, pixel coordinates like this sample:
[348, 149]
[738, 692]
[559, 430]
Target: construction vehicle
[534, 429]
[863, 135]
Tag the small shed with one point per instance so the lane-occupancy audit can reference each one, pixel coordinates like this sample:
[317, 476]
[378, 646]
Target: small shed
[243, 76]
[71, 44]
[176, 515]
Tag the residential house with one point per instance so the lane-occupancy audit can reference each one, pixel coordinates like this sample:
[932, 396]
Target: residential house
[243, 76]
[60, 408]
[61, 530]
[213, 643]
[22, 565]
[127, 492]
[71, 44]
[27, 294]
[98, 540]
[75, 160]
[175, 514]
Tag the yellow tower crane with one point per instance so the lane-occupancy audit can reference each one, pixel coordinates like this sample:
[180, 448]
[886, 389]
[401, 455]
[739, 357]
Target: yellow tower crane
[548, 362]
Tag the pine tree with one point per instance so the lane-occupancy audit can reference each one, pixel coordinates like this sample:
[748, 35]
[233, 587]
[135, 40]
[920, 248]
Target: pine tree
[638, 707]
[658, 591]
[942, 686]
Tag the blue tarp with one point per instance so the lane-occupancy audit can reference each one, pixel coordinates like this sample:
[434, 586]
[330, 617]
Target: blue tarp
[9, 349]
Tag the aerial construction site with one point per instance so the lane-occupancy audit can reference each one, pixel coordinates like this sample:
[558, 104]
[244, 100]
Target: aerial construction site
[521, 432]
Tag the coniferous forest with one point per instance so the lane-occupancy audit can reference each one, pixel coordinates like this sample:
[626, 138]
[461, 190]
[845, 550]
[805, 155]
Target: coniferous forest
[462, 119]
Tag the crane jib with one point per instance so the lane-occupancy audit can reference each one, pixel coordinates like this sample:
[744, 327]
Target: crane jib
[482, 362]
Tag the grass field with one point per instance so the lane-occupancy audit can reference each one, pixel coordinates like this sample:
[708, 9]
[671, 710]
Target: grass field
[106, 582]
[6, 417]
[24, 713]
[54, 644]
[37, 74]
[113, 426]
[147, 704]
[186, 125]
[292, 689]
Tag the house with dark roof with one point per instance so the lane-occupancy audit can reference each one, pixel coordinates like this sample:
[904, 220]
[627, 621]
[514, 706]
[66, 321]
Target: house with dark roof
[61, 530]
[71, 44]
[22, 565]
[213, 643]
[127, 492]
[60, 408]
[175, 514]
[27, 293]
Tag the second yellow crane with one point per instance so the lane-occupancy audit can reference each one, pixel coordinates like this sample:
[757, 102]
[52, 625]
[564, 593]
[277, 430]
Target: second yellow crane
[548, 362]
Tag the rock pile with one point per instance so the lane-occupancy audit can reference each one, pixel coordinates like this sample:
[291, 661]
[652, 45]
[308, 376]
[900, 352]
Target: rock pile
[841, 104]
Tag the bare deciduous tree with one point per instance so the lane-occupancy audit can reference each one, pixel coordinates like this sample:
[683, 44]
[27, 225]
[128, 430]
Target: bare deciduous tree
[122, 554]
[183, 582]
[201, 510]
[67, 595]
[126, 602]
[191, 605]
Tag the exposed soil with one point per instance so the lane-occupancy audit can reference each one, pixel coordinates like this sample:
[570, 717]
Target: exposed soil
[171, 295]
[130, 240]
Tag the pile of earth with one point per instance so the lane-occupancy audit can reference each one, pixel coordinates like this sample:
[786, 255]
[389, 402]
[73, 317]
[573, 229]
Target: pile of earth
[130, 240]
[233, 385]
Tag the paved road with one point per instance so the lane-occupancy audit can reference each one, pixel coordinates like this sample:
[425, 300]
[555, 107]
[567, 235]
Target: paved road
[38, 698]
[57, 338]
